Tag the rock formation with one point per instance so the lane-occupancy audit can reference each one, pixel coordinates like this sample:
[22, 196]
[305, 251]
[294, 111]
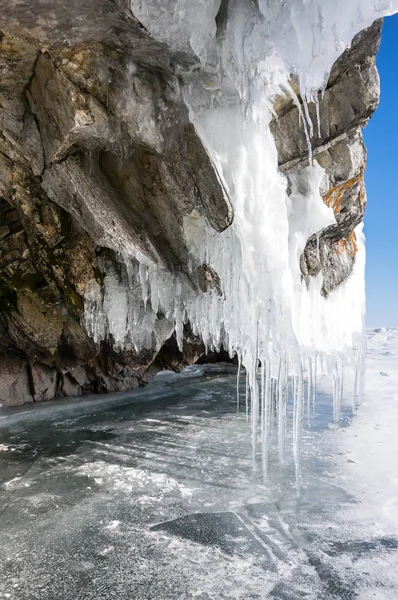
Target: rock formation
[98, 155]
[350, 98]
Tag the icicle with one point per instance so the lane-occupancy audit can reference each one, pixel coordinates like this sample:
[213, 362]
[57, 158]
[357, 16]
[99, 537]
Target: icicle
[341, 390]
[318, 116]
[254, 397]
[247, 396]
[262, 410]
[237, 385]
[143, 272]
[307, 113]
[314, 362]
[272, 403]
[335, 379]
[298, 422]
[282, 407]
[293, 386]
[314, 383]
[302, 116]
[338, 385]
[308, 363]
[255, 400]
[266, 416]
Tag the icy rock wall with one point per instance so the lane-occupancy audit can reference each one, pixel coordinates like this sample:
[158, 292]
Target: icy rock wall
[139, 186]
[246, 61]
[261, 308]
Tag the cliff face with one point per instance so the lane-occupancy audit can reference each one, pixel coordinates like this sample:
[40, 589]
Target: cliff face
[350, 98]
[98, 156]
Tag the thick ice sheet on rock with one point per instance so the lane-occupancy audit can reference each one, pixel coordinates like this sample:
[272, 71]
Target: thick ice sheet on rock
[246, 60]
[257, 303]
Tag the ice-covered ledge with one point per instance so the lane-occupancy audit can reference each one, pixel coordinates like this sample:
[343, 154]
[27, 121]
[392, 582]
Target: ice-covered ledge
[137, 178]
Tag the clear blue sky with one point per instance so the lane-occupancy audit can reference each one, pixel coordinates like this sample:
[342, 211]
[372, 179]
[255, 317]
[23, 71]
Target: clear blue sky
[381, 219]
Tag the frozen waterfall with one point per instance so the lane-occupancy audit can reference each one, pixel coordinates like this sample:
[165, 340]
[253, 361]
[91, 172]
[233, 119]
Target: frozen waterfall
[263, 310]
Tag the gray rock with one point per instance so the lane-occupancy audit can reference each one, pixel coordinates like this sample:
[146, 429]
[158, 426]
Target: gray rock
[351, 96]
[14, 382]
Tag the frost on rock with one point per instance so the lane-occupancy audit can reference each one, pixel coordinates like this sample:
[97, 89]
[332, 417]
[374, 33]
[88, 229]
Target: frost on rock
[256, 303]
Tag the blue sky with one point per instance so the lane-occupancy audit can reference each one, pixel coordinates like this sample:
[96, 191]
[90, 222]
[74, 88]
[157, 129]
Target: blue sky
[381, 177]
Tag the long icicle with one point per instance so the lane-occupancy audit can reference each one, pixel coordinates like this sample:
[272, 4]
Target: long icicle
[341, 390]
[282, 407]
[314, 371]
[247, 396]
[308, 365]
[254, 396]
[262, 410]
[266, 417]
[237, 385]
[298, 422]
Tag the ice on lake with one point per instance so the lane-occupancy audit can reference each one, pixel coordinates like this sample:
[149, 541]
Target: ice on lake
[151, 495]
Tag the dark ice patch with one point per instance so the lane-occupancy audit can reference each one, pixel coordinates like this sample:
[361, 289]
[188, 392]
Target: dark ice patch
[362, 547]
[224, 530]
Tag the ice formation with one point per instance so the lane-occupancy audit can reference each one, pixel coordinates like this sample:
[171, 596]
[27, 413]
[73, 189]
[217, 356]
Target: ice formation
[265, 313]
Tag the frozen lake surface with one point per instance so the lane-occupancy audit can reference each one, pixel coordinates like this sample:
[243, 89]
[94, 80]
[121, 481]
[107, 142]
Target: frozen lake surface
[151, 495]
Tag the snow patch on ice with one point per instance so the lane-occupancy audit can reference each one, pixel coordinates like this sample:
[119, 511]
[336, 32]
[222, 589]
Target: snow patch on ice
[370, 441]
[127, 479]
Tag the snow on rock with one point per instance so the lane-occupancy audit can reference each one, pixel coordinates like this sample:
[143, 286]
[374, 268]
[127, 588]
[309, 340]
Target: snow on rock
[261, 308]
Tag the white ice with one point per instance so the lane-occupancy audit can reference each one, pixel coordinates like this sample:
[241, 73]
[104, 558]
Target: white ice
[82, 484]
[266, 311]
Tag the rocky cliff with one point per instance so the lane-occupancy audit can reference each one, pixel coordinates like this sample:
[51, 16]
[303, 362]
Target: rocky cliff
[98, 156]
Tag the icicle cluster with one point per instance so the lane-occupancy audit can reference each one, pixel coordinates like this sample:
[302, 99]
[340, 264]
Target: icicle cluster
[264, 312]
